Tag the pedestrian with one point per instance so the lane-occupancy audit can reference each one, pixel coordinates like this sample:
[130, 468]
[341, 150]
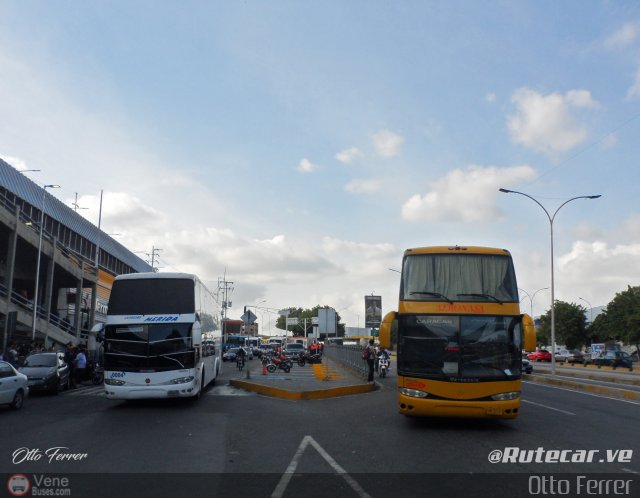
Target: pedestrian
[69, 358]
[81, 365]
[369, 355]
[12, 354]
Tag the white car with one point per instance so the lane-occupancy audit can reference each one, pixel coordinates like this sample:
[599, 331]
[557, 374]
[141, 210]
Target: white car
[14, 386]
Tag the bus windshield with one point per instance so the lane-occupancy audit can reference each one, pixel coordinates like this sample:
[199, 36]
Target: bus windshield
[152, 297]
[459, 277]
[467, 348]
[149, 348]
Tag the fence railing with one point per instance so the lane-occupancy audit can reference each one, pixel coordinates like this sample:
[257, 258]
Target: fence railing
[349, 356]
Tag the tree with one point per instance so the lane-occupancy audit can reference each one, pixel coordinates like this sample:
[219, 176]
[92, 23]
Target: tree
[622, 317]
[570, 324]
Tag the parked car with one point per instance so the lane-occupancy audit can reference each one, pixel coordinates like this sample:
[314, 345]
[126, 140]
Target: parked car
[14, 386]
[540, 355]
[230, 354]
[527, 367]
[294, 349]
[46, 372]
[614, 359]
[569, 356]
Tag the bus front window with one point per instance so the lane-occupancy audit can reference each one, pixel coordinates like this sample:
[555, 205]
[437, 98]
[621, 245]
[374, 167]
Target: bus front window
[459, 348]
[458, 277]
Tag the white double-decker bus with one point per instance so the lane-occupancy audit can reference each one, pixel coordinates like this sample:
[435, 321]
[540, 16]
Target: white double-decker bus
[162, 337]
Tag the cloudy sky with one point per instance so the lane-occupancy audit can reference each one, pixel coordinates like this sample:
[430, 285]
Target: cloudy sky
[301, 146]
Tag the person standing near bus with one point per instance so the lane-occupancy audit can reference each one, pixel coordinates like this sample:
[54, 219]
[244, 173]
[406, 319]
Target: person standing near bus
[369, 354]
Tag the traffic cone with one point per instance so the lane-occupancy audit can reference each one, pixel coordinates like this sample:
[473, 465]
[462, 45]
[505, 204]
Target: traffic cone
[264, 369]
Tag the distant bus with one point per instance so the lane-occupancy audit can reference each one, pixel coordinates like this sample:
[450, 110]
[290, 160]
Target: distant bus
[236, 341]
[162, 337]
[460, 333]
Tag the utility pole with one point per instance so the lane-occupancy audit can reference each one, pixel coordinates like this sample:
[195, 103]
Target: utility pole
[154, 254]
[225, 287]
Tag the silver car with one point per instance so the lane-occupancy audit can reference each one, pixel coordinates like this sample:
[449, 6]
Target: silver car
[14, 386]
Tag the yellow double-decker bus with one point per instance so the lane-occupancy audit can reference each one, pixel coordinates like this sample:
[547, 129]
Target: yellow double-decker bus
[460, 333]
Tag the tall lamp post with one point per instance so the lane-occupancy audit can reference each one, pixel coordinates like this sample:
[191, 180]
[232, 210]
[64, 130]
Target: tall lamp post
[35, 295]
[532, 296]
[590, 309]
[551, 218]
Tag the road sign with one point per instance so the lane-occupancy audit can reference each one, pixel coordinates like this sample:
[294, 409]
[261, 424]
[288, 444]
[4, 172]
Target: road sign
[292, 321]
[249, 318]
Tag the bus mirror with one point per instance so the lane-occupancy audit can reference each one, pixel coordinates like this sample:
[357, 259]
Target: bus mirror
[385, 329]
[197, 334]
[529, 333]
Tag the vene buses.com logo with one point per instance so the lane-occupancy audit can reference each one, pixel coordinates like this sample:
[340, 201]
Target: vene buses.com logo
[18, 485]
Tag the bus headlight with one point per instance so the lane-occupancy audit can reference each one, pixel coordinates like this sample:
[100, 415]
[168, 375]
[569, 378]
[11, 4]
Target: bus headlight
[505, 396]
[413, 393]
[182, 380]
[114, 382]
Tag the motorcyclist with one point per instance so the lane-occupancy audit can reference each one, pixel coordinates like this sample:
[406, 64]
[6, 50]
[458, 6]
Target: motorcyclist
[382, 354]
[240, 356]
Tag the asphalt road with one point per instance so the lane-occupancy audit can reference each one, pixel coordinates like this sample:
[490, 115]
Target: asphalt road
[235, 442]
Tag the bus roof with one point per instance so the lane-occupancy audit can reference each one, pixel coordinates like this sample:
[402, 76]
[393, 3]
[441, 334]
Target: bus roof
[456, 249]
[155, 275]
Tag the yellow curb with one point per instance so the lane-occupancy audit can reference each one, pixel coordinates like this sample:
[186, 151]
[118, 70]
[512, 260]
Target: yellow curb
[609, 391]
[294, 395]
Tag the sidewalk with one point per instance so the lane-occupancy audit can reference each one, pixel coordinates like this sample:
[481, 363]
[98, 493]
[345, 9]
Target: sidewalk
[325, 380]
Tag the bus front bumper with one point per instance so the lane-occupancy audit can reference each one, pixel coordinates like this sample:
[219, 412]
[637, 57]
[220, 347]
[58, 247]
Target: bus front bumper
[150, 392]
[425, 407]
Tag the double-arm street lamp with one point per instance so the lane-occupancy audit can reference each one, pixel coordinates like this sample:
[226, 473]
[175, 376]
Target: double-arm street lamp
[590, 309]
[530, 296]
[551, 218]
[35, 295]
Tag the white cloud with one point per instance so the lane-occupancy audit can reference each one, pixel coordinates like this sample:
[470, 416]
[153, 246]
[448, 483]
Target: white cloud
[624, 37]
[347, 156]
[634, 90]
[602, 268]
[387, 144]
[465, 196]
[306, 166]
[16, 162]
[545, 122]
[363, 186]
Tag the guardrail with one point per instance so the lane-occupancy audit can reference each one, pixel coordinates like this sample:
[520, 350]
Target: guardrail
[27, 306]
[349, 356]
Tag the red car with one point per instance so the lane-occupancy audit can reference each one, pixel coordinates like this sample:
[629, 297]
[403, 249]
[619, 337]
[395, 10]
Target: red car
[541, 355]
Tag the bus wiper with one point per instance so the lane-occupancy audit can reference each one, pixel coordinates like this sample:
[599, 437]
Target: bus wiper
[437, 294]
[169, 358]
[483, 295]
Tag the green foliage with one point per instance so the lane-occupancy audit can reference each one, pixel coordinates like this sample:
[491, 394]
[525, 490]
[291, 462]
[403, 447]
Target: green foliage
[570, 325]
[621, 319]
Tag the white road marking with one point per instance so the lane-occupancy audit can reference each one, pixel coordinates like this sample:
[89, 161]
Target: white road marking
[630, 471]
[548, 407]
[582, 392]
[291, 469]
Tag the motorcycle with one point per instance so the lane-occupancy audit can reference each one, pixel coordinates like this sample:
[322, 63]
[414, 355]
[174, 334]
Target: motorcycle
[383, 366]
[97, 375]
[311, 358]
[276, 363]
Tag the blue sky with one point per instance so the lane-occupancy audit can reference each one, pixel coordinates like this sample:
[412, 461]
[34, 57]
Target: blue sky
[302, 146]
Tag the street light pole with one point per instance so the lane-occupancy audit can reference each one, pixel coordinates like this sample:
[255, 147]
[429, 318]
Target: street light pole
[35, 294]
[551, 219]
[590, 309]
[531, 297]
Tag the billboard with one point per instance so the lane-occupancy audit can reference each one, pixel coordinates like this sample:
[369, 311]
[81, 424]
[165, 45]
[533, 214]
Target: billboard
[372, 311]
[327, 322]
